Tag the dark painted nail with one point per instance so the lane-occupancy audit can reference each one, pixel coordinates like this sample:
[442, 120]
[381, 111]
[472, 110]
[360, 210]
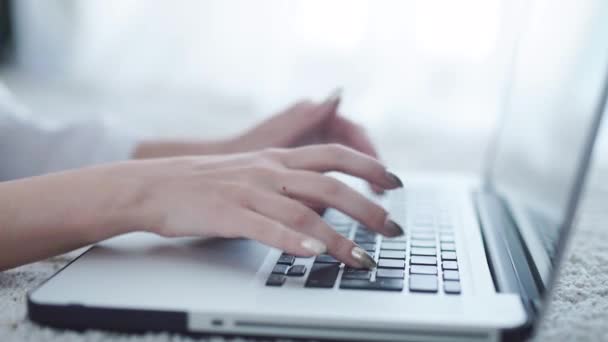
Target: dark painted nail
[393, 228]
[364, 259]
[394, 179]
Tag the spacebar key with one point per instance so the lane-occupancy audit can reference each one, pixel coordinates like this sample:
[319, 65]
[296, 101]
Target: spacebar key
[323, 275]
[382, 284]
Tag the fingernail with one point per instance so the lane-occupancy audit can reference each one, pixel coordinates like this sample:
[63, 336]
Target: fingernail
[363, 258]
[394, 179]
[315, 246]
[393, 228]
[334, 97]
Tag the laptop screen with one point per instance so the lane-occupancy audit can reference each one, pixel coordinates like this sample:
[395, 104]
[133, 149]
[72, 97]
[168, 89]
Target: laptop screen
[552, 108]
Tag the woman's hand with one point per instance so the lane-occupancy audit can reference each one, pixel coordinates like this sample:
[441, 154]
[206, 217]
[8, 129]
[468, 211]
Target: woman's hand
[304, 123]
[266, 196]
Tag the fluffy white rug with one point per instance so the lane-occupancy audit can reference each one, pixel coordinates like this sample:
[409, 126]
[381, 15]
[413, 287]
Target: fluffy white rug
[578, 309]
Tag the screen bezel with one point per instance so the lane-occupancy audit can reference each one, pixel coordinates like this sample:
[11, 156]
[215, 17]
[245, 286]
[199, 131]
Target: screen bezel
[565, 227]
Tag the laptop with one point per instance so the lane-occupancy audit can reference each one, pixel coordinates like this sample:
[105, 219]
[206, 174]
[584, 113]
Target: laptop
[478, 260]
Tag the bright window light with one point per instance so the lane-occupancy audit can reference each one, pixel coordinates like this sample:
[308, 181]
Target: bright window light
[465, 29]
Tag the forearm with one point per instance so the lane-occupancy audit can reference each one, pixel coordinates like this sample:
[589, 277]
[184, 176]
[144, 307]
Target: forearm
[53, 214]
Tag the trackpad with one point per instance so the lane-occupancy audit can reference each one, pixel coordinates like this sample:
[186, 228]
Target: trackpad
[137, 267]
[227, 257]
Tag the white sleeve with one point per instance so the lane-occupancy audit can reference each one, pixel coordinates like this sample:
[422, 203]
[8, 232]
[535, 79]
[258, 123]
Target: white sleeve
[30, 147]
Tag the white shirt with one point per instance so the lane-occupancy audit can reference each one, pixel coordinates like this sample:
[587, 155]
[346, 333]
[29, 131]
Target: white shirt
[30, 146]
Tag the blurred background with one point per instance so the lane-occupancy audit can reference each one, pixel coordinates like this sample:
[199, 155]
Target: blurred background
[425, 77]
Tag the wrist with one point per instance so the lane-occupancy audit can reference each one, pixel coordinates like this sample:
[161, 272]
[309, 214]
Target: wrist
[117, 205]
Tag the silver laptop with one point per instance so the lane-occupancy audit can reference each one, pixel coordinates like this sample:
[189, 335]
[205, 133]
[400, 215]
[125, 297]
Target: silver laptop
[478, 259]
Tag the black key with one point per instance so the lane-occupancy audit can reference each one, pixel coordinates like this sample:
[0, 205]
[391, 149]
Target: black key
[280, 269]
[396, 246]
[451, 275]
[423, 269]
[364, 230]
[391, 263]
[423, 260]
[448, 246]
[423, 243]
[423, 251]
[448, 255]
[355, 273]
[365, 239]
[326, 259]
[286, 259]
[369, 247]
[322, 275]
[275, 280]
[302, 257]
[296, 271]
[449, 265]
[381, 284]
[365, 233]
[452, 287]
[392, 254]
[446, 238]
[390, 273]
[423, 283]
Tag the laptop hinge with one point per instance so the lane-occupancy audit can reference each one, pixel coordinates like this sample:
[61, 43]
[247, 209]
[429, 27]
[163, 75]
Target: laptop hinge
[507, 257]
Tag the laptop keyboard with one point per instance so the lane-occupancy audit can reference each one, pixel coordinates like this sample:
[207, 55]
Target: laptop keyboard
[423, 260]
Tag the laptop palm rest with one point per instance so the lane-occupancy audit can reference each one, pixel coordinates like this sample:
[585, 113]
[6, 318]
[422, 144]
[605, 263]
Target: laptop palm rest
[133, 268]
